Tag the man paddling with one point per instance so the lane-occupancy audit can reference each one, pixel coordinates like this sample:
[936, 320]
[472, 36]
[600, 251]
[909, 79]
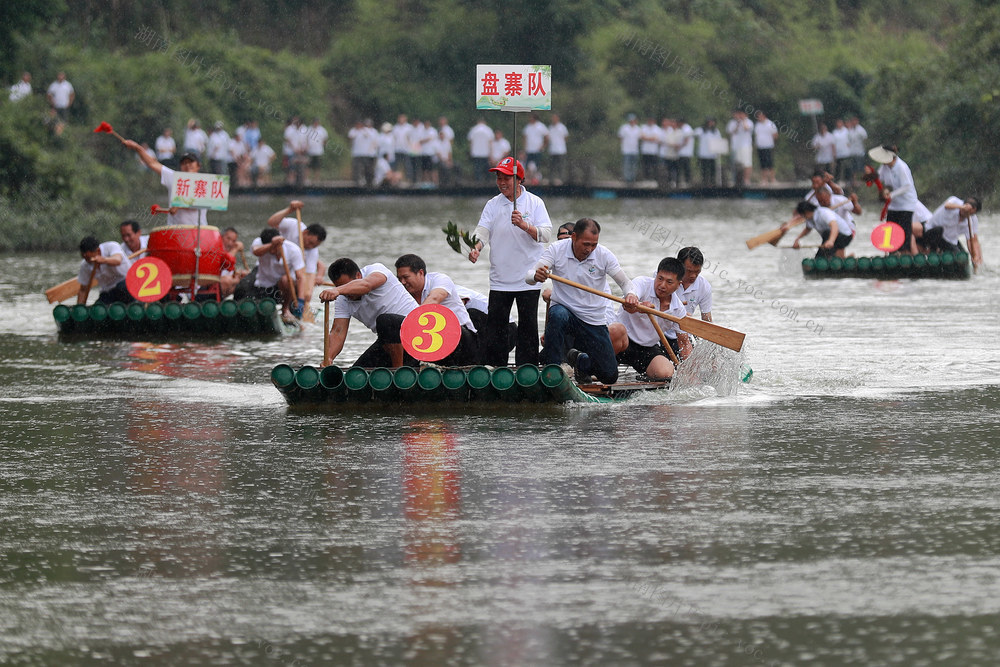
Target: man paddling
[189, 164]
[576, 315]
[952, 219]
[695, 292]
[516, 235]
[436, 287]
[374, 296]
[109, 265]
[277, 259]
[834, 230]
[290, 226]
[133, 240]
[636, 341]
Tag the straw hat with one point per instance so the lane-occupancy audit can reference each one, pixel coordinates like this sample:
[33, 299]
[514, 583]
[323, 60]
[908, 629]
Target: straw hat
[883, 154]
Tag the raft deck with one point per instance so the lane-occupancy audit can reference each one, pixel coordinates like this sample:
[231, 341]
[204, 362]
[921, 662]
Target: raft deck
[333, 386]
[951, 266]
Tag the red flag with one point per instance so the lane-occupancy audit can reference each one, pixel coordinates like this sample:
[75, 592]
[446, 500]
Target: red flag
[104, 127]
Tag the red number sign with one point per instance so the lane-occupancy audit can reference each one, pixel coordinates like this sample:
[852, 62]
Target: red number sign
[430, 332]
[888, 237]
[149, 279]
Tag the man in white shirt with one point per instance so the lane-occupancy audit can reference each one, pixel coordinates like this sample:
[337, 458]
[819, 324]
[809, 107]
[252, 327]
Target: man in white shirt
[437, 287]
[740, 131]
[21, 89]
[189, 164]
[637, 343]
[684, 137]
[824, 145]
[133, 240]
[312, 237]
[695, 291]
[629, 135]
[195, 139]
[218, 149]
[109, 265]
[316, 138]
[841, 137]
[669, 156]
[274, 252]
[375, 297]
[166, 147]
[577, 318]
[557, 150]
[260, 163]
[899, 189]
[952, 219]
[364, 150]
[480, 137]
[401, 145]
[446, 163]
[765, 133]
[61, 96]
[516, 226]
[650, 138]
[835, 232]
[856, 136]
[535, 135]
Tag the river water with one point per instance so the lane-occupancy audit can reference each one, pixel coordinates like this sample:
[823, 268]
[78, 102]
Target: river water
[160, 505]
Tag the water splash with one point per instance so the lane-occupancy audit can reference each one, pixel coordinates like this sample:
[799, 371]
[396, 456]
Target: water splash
[713, 366]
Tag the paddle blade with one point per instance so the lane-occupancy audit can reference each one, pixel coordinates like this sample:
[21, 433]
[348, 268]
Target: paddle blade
[104, 127]
[64, 290]
[771, 237]
[710, 331]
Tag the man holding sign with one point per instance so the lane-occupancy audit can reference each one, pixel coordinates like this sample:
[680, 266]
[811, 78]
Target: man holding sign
[576, 315]
[374, 296]
[516, 225]
[109, 265]
[437, 287]
[189, 164]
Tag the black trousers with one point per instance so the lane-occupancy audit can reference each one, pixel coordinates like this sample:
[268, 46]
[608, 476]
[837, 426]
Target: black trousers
[493, 349]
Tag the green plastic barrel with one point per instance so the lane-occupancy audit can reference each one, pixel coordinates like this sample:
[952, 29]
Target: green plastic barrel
[478, 379]
[891, 263]
[380, 380]
[864, 265]
[331, 379]
[172, 311]
[529, 382]
[228, 308]
[283, 377]
[64, 318]
[455, 384]
[154, 312]
[135, 311]
[356, 381]
[502, 379]
[116, 311]
[947, 258]
[429, 379]
[80, 313]
[266, 312]
[552, 376]
[920, 261]
[906, 263]
[98, 312]
[307, 380]
[404, 378]
[822, 266]
[850, 266]
[247, 308]
[191, 311]
[878, 265]
[808, 266]
[836, 265]
[209, 309]
[934, 260]
[246, 320]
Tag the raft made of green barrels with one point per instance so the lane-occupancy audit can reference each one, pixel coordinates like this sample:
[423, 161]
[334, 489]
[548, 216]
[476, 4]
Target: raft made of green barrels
[333, 386]
[172, 318]
[953, 266]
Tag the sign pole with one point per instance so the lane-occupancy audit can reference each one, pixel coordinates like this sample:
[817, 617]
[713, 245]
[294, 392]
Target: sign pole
[513, 150]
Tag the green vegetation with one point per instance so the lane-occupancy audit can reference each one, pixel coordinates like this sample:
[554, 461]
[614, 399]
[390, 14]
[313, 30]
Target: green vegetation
[935, 92]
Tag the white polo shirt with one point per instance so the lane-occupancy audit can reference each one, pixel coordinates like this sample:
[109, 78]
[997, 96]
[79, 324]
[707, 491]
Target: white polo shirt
[699, 294]
[389, 297]
[629, 135]
[289, 228]
[269, 267]
[557, 139]
[950, 220]
[534, 136]
[899, 181]
[512, 251]
[823, 218]
[811, 195]
[107, 275]
[183, 216]
[640, 329]
[593, 272]
[143, 242]
[843, 211]
[476, 301]
[453, 301]
[763, 133]
[479, 138]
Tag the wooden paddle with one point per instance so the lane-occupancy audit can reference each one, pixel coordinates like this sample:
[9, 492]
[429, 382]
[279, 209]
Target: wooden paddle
[663, 340]
[708, 330]
[288, 274]
[307, 315]
[70, 288]
[326, 333]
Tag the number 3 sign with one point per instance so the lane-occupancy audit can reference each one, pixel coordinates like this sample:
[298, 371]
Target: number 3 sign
[430, 332]
[149, 279]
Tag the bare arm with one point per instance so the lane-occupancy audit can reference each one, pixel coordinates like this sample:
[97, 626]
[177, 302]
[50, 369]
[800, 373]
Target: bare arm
[338, 334]
[362, 286]
[437, 295]
[278, 216]
[146, 159]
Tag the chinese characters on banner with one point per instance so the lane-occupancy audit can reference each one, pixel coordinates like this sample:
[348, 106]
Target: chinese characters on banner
[514, 87]
[209, 191]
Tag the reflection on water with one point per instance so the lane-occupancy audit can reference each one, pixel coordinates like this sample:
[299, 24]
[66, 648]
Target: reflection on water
[159, 504]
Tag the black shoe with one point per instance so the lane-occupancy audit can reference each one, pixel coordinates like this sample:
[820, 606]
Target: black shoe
[580, 361]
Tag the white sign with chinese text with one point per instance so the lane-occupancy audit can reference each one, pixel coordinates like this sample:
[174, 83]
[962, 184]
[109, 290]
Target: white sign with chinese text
[514, 87]
[192, 190]
[810, 107]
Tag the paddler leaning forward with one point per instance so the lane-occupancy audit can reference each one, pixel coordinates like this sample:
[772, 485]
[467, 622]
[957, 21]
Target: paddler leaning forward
[374, 296]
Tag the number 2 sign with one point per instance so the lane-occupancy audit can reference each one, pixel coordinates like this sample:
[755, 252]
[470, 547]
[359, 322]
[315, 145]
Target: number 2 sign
[430, 332]
[149, 279]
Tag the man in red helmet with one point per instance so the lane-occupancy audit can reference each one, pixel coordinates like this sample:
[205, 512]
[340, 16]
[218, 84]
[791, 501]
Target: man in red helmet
[516, 226]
